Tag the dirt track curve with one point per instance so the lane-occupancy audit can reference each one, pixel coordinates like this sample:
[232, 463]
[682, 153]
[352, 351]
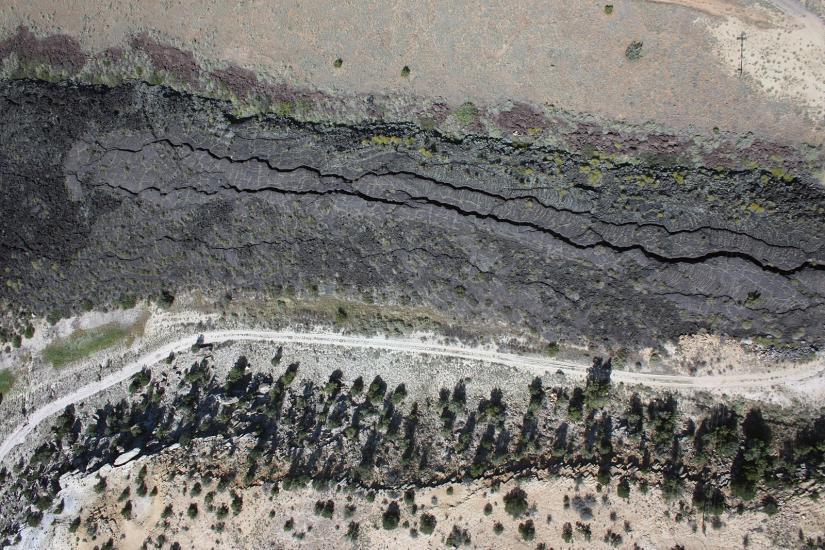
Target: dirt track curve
[539, 365]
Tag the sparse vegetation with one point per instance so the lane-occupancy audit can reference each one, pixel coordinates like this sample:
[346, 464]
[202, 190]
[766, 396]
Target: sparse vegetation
[634, 50]
[467, 113]
[83, 343]
[6, 381]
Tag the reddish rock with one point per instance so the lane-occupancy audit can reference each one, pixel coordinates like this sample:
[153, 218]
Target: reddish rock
[173, 60]
[59, 51]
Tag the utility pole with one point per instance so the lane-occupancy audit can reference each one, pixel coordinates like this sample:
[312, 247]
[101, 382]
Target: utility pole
[741, 38]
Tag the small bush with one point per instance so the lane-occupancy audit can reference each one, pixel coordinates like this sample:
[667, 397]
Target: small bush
[623, 489]
[428, 523]
[567, 532]
[457, 537]
[337, 63]
[391, 516]
[515, 502]
[527, 530]
[769, 505]
[6, 381]
[324, 509]
[634, 50]
[467, 113]
[127, 301]
[405, 71]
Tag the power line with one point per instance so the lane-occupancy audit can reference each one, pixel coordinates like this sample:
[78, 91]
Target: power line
[741, 38]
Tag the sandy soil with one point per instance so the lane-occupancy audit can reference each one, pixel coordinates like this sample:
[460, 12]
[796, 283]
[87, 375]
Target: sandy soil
[784, 60]
[645, 519]
[555, 52]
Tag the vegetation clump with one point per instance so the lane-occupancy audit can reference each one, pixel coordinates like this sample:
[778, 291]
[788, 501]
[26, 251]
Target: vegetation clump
[391, 516]
[6, 381]
[467, 113]
[515, 502]
[634, 50]
[83, 343]
[427, 523]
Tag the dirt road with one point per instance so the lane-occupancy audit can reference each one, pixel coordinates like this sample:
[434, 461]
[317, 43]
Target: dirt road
[539, 365]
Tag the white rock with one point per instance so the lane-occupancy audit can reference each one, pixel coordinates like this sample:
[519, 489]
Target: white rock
[126, 457]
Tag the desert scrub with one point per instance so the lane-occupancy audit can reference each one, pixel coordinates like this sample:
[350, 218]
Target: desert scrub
[386, 141]
[634, 50]
[467, 113]
[6, 381]
[337, 63]
[83, 343]
[405, 71]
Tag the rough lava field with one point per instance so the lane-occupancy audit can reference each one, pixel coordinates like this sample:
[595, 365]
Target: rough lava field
[412, 274]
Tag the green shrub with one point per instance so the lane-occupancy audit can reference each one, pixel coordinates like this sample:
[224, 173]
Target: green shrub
[375, 393]
[140, 380]
[623, 489]
[427, 524]
[467, 113]
[391, 516]
[324, 509]
[6, 381]
[166, 299]
[127, 301]
[405, 71]
[100, 485]
[237, 503]
[769, 505]
[567, 532]
[527, 530]
[458, 537]
[515, 502]
[634, 50]
[74, 525]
